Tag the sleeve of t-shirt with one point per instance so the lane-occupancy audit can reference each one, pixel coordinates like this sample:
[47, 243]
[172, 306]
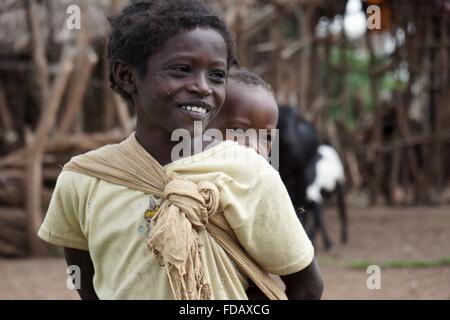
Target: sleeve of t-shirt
[62, 225]
[259, 210]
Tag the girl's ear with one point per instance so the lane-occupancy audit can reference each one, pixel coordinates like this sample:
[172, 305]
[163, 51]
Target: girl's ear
[124, 77]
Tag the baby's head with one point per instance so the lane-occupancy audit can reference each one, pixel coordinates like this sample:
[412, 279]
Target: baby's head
[249, 104]
[169, 59]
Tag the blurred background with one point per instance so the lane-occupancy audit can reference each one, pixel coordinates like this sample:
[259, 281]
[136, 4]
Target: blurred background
[374, 81]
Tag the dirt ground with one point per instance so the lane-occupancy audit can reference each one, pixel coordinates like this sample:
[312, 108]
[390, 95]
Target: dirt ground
[377, 235]
[384, 236]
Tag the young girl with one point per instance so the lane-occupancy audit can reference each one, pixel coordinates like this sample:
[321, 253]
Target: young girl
[141, 226]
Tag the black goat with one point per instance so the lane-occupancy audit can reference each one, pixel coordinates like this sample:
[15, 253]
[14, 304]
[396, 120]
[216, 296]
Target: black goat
[310, 171]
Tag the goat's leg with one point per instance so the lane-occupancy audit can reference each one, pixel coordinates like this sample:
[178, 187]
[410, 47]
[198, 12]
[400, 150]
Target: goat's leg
[319, 225]
[342, 212]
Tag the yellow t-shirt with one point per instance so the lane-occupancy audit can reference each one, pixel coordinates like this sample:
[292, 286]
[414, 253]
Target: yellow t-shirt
[108, 220]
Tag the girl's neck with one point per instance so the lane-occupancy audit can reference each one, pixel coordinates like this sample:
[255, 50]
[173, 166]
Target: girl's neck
[157, 143]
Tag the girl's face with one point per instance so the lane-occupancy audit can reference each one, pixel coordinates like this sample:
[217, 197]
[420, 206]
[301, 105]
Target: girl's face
[185, 82]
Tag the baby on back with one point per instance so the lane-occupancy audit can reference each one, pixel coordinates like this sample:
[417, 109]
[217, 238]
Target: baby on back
[249, 113]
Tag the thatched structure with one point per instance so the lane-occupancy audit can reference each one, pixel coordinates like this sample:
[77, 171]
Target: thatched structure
[50, 74]
[15, 38]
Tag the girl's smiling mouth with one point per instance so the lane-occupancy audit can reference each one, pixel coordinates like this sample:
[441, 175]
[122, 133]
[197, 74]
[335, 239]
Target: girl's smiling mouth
[195, 108]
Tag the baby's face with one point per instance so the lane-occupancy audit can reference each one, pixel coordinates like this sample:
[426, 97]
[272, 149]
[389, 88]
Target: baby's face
[249, 107]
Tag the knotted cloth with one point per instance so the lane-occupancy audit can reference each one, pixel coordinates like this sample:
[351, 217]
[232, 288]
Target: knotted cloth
[187, 207]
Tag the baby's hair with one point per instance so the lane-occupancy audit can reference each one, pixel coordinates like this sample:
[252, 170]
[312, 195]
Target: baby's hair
[145, 26]
[247, 77]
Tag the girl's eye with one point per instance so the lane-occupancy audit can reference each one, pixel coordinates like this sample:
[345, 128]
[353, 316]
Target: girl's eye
[181, 69]
[218, 76]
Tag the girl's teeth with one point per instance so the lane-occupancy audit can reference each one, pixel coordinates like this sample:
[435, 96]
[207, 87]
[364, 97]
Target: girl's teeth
[195, 109]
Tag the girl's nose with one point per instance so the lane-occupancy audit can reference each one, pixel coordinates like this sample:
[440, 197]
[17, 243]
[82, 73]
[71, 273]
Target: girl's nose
[200, 86]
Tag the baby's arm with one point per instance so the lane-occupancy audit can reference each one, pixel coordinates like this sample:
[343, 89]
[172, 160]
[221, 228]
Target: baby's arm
[82, 259]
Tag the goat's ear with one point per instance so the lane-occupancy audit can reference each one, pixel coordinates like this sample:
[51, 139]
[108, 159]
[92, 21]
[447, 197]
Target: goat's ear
[124, 76]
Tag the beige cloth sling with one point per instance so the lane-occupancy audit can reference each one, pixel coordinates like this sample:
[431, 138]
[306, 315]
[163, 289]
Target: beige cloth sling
[186, 208]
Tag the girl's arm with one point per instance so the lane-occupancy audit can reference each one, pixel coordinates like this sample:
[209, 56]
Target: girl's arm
[306, 284]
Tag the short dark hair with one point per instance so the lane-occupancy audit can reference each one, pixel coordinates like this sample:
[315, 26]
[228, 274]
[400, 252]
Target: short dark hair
[248, 77]
[144, 26]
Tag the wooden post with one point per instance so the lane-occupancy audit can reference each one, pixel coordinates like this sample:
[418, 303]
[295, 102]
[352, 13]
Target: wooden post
[86, 59]
[277, 35]
[445, 118]
[343, 86]
[6, 118]
[442, 110]
[325, 92]
[306, 35]
[402, 123]
[423, 185]
[38, 49]
[81, 77]
[395, 176]
[35, 153]
[353, 169]
[377, 131]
